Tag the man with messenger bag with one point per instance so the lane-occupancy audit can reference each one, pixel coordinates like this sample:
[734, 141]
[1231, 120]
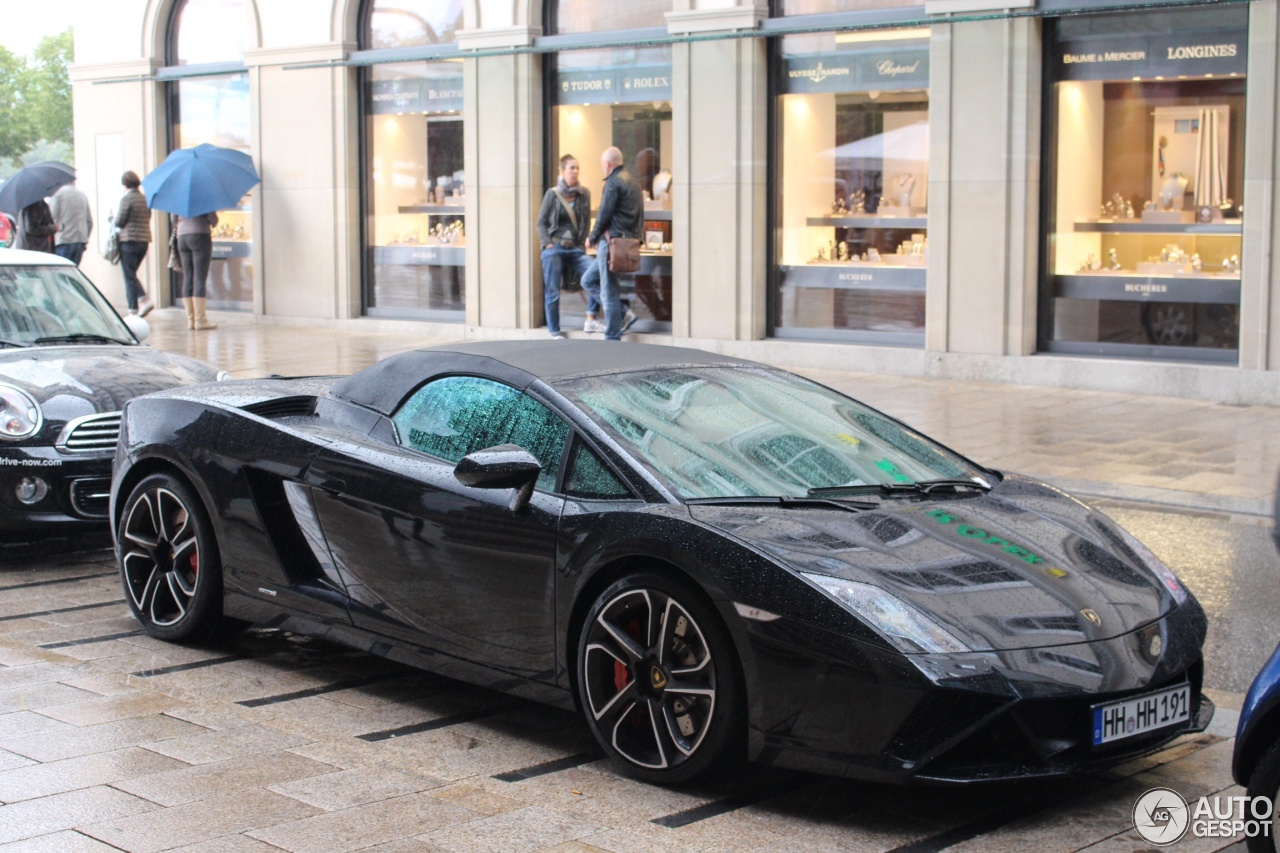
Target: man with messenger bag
[619, 220]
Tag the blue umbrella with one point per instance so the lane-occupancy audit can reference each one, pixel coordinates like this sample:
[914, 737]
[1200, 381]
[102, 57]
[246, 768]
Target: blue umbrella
[32, 183]
[192, 181]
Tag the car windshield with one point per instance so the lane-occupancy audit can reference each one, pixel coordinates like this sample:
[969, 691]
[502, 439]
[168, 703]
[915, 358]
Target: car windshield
[724, 432]
[55, 302]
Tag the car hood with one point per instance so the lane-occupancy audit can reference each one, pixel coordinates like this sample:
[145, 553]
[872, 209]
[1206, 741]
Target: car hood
[1023, 566]
[84, 379]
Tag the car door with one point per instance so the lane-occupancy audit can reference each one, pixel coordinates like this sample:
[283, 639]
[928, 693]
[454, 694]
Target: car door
[436, 563]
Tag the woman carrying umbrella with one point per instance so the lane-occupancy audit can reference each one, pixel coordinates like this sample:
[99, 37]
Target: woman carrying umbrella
[193, 184]
[134, 220]
[195, 247]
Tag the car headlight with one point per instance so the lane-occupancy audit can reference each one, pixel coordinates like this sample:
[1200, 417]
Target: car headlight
[223, 376]
[20, 415]
[1163, 572]
[903, 625]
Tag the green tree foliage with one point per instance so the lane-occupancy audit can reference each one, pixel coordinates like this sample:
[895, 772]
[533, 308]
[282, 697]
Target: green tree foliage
[48, 88]
[17, 133]
[35, 97]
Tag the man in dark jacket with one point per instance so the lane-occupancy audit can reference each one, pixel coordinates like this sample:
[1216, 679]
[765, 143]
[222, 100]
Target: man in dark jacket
[621, 214]
[562, 231]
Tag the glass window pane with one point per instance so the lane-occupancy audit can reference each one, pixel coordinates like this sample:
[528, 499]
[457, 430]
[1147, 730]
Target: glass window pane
[853, 173]
[621, 97]
[216, 110]
[402, 23]
[589, 477]
[457, 415]
[416, 189]
[725, 432]
[815, 7]
[592, 16]
[1145, 224]
[208, 31]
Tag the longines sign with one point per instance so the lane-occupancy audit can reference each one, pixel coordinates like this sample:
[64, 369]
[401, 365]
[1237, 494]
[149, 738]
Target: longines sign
[900, 67]
[1124, 57]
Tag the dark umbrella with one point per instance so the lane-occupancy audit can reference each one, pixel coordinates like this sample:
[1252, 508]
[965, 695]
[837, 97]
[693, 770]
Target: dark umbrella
[192, 181]
[33, 183]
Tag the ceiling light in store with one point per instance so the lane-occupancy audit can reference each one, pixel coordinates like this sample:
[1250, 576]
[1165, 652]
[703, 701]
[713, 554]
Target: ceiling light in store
[881, 35]
[1158, 77]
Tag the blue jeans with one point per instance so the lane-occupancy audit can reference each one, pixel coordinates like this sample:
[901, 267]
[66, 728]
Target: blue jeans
[131, 254]
[71, 251]
[610, 288]
[554, 260]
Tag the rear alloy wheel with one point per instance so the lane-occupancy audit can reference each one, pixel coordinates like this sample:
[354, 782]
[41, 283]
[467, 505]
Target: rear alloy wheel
[658, 680]
[169, 560]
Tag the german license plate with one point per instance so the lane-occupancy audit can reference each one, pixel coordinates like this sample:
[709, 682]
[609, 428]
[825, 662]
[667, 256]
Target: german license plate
[1138, 714]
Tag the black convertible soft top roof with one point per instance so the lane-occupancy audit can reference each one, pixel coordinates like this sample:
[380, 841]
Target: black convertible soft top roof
[385, 385]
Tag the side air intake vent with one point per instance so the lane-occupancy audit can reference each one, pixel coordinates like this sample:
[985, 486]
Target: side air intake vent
[283, 407]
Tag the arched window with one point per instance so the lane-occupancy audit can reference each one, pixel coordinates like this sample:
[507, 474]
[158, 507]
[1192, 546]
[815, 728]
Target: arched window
[208, 96]
[415, 180]
[619, 96]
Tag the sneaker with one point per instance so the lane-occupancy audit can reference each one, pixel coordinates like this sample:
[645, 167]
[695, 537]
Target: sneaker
[593, 325]
[628, 320]
[557, 336]
[144, 307]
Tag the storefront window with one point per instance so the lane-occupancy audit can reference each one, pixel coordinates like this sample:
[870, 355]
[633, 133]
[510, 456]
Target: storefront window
[1146, 156]
[415, 187]
[215, 109]
[852, 177]
[619, 97]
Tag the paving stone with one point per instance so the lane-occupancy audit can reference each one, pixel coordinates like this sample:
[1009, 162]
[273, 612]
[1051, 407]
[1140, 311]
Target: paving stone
[58, 812]
[105, 737]
[516, 831]
[59, 842]
[55, 777]
[365, 826]
[105, 709]
[347, 788]
[203, 747]
[217, 816]
[41, 696]
[188, 783]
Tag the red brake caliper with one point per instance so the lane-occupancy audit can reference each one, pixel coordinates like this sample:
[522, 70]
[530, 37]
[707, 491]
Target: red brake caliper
[621, 672]
[195, 564]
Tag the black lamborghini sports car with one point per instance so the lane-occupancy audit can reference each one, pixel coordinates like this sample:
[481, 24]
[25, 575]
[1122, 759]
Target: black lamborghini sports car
[711, 558]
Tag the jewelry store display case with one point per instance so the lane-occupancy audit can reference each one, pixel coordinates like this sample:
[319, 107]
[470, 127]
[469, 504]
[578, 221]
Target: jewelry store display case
[1145, 229]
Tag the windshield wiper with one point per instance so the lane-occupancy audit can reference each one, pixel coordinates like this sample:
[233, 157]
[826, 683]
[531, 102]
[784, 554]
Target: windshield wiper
[8, 343]
[783, 501]
[900, 490]
[77, 337]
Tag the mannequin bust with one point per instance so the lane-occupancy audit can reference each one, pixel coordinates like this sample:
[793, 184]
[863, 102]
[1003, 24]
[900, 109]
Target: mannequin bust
[903, 185]
[1173, 190]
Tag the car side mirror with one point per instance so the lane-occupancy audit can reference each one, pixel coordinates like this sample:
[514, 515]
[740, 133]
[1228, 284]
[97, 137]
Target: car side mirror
[141, 328]
[506, 466]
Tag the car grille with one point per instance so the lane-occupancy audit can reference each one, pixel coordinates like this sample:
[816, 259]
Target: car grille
[91, 496]
[90, 434]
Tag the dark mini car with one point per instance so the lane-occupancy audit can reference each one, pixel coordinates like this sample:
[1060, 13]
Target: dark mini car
[711, 558]
[68, 363]
[1256, 761]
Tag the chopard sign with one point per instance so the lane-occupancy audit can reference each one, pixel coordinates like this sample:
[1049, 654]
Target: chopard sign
[818, 73]
[889, 68]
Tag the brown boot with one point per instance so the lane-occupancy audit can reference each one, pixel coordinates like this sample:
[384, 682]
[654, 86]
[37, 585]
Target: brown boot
[191, 312]
[201, 321]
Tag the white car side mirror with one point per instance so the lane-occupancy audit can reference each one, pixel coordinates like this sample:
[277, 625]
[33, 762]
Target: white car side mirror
[141, 328]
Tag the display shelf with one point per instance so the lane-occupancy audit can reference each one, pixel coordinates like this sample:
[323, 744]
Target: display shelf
[425, 255]
[650, 215]
[856, 276]
[1134, 226]
[1122, 286]
[869, 221]
[435, 209]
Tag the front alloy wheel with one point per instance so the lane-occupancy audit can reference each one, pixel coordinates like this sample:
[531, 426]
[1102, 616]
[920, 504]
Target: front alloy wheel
[657, 680]
[168, 560]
